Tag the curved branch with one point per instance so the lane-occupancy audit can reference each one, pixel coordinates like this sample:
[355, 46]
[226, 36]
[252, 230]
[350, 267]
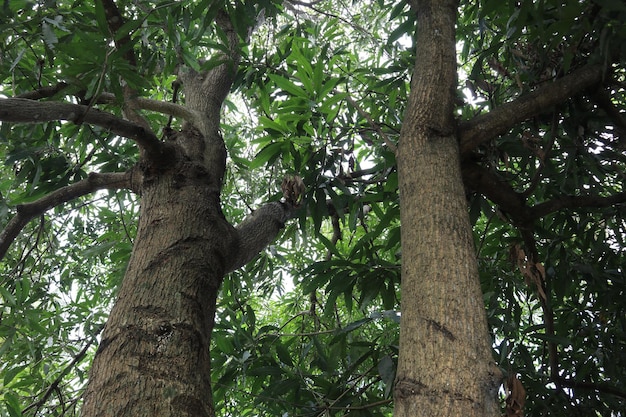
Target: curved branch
[163, 107]
[19, 110]
[499, 120]
[513, 203]
[26, 212]
[44, 92]
[486, 182]
[115, 20]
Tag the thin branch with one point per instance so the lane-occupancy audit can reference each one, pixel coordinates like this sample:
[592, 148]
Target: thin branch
[599, 387]
[574, 202]
[44, 92]
[55, 384]
[373, 124]
[19, 110]
[115, 20]
[28, 211]
[499, 120]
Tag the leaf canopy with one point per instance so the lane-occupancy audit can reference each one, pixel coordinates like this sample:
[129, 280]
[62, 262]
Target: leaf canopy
[311, 326]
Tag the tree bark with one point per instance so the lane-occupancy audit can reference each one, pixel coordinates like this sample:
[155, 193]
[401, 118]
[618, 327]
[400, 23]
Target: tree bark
[154, 359]
[445, 366]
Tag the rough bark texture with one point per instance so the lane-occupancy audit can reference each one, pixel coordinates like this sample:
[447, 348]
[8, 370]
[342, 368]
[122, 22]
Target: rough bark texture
[154, 358]
[445, 366]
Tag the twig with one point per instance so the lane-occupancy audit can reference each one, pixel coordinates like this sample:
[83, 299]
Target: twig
[26, 212]
[371, 122]
[79, 356]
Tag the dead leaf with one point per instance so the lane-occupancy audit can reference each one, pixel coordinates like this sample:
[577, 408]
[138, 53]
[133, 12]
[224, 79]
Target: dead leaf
[534, 274]
[516, 397]
[293, 190]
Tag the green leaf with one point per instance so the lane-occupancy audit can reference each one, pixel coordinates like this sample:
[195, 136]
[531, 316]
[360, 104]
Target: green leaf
[387, 372]
[12, 373]
[48, 35]
[563, 341]
[288, 86]
[101, 19]
[266, 155]
[283, 354]
[12, 403]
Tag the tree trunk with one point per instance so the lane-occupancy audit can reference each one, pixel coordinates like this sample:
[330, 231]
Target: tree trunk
[445, 366]
[154, 359]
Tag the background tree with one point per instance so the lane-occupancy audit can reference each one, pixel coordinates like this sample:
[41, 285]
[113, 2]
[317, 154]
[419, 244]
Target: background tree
[321, 90]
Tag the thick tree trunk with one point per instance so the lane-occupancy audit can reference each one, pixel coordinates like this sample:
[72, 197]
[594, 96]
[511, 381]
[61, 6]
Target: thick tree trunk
[153, 359]
[445, 366]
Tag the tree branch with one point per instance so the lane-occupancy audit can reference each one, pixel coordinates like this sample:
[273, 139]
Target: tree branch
[574, 202]
[163, 107]
[26, 212]
[115, 20]
[499, 120]
[259, 229]
[205, 92]
[158, 106]
[44, 92]
[513, 203]
[19, 110]
[486, 182]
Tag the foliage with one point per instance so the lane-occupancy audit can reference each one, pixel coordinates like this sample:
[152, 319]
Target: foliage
[311, 326]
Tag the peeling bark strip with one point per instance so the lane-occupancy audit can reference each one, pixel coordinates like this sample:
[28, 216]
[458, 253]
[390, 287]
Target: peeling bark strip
[516, 397]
